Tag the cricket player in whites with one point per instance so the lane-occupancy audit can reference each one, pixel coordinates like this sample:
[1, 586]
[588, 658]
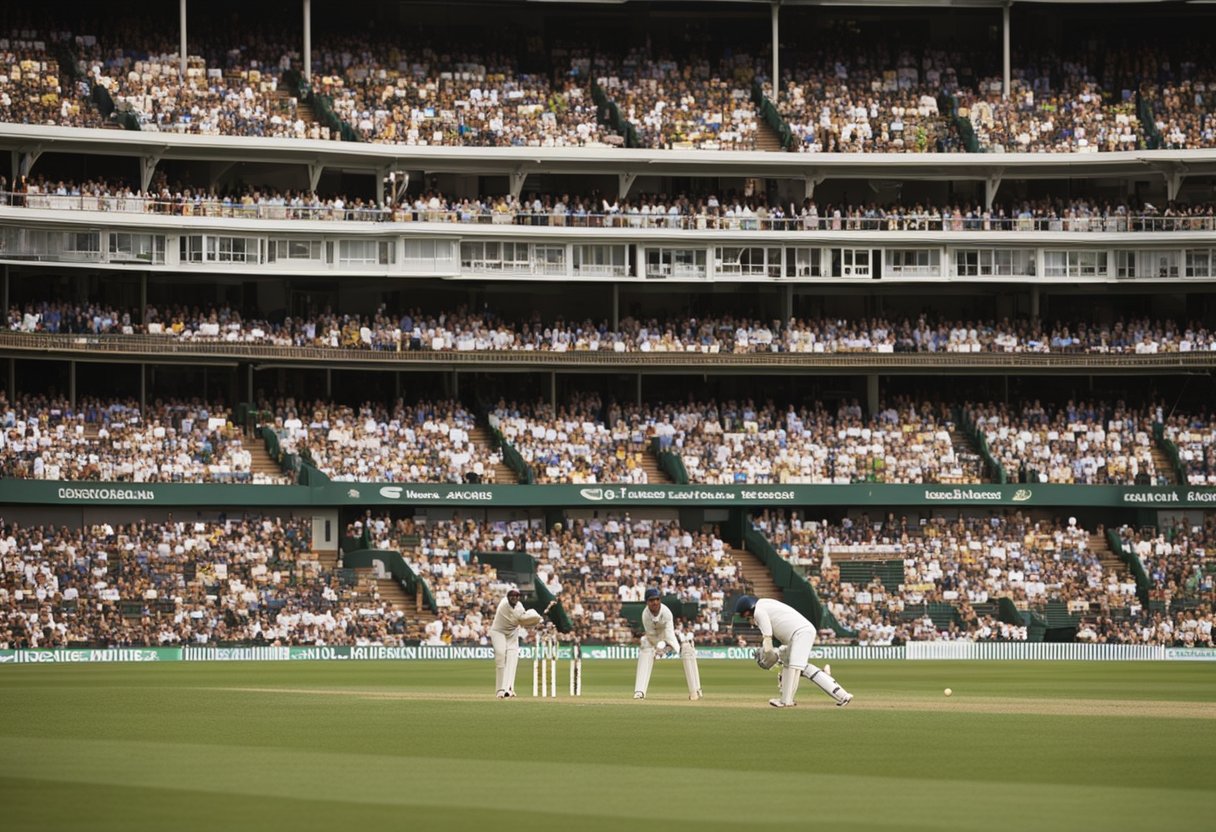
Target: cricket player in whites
[659, 634]
[509, 619]
[797, 635]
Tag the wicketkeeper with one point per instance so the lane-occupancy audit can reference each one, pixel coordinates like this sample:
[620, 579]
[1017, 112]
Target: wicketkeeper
[659, 632]
[797, 635]
[509, 620]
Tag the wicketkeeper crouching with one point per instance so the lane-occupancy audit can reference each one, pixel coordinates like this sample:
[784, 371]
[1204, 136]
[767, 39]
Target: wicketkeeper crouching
[660, 634]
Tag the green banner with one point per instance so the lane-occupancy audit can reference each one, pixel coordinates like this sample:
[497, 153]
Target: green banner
[332, 494]
[82, 655]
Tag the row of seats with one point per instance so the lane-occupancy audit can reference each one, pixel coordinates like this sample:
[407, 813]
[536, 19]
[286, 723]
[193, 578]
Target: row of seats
[845, 94]
[461, 331]
[588, 440]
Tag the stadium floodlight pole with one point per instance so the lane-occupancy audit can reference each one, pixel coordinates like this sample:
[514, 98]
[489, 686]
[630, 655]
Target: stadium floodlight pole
[1005, 34]
[776, 44]
[308, 40]
[181, 58]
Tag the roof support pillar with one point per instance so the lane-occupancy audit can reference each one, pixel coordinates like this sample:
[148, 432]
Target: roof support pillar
[1173, 183]
[307, 73]
[181, 55]
[776, 80]
[1005, 48]
[518, 177]
[147, 167]
[27, 160]
[809, 183]
[314, 175]
[992, 184]
[624, 182]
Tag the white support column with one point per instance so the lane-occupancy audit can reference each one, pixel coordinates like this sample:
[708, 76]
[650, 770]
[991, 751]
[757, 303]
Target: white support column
[1005, 35]
[992, 183]
[624, 181]
[382, 186]
[181, 56]
[776, 81]
[307, 40]
[28, 158]
[1173, 184]
[147, 167]
[518, 177]
[809, 183]
[314, 175]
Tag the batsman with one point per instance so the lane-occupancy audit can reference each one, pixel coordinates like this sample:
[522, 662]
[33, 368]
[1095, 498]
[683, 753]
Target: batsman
[797, 634]
[659, 636]
[509, 621]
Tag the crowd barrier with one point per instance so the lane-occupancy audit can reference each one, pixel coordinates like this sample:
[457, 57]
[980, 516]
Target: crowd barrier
[951, 650]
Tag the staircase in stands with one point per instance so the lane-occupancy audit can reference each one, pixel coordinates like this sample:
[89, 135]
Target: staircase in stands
[481, 437]
[654, 474]
[767, 138]
[756, 574]
[1161, 463]
[965, 445]
[260, 462]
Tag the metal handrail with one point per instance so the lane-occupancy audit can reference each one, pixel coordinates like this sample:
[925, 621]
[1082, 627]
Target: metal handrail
[896, 221]
[153, 347]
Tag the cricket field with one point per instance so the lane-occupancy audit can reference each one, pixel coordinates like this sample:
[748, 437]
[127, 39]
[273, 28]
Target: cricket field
[425, 746]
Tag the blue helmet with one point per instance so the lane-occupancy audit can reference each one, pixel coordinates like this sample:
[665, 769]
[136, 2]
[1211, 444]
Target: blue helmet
[652, 593]
[745, 604]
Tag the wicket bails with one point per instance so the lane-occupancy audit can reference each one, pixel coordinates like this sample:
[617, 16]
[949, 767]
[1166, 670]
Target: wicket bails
[544, 667]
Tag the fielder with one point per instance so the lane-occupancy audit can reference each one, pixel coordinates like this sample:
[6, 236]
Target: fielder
[797, 635]
[660, 634]
[509, 620]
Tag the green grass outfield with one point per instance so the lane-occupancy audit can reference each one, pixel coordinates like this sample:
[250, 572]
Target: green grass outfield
[424, 746]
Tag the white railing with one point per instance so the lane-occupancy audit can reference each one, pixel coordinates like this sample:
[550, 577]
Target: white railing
[1026, 650]
[899, 221]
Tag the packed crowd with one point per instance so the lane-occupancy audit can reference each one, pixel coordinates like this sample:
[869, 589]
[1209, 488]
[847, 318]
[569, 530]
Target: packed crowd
[576, 443]
[591, 564]
[742, 442]
[844, 93]
[32, 87]
[461, 331]
[966, 562]
[251, 579]
[1079, 442]
[690, 104]
[733, 212]
[428, 95]
[736, 442]
[423, 442]
[1195, 439]
[1179, 560]
[868, 98]
[232, 85]
[114, 441]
